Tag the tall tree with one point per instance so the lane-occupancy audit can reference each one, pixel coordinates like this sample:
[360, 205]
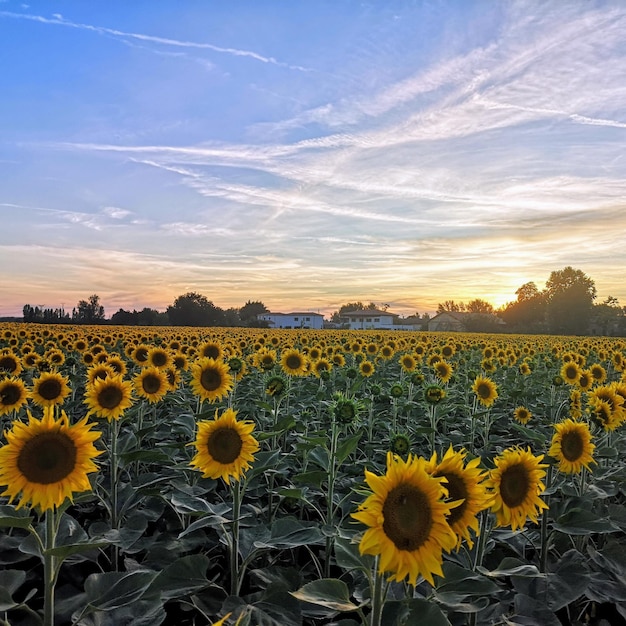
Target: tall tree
[526, 314]
[479, 306]
[250, 310]
[451, 306]
[570, 294]
[194, 309]
[89, 311]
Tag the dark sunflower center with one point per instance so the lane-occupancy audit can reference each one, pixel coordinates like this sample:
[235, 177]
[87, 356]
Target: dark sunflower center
[159, 359]
[212, 352]
[407, 516]
[151, 384]
[211, 379]
[10, 395]
[572, 446]
[571, 372]
[141, 355]
[110, 397]
[47, 458]
[8, 363]
[457, 490]
[293, 362]
[224, 445]
[50, 389]
[484, 391]
[514, 485]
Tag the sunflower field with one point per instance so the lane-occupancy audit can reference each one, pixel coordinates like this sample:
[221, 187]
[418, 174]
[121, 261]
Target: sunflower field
[297, 477]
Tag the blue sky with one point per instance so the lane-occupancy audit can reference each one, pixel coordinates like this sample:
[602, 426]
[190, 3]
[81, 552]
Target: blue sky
[309, 153]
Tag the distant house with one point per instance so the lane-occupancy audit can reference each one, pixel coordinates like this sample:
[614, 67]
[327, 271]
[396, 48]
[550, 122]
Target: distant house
[297, 319]
[463, 321]
[448, 321]
[368, 319]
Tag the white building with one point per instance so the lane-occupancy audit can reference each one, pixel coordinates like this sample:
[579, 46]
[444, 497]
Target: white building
[297, 319]
[369, 319]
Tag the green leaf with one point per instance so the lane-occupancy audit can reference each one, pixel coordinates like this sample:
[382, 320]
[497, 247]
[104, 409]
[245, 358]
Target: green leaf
[513, 567]
[423, 611]
[315, 478]
[183, 577]
[10, 582]
[347, 447]
[76, 548]
[569, 580]
[328, 592]
[289, 533]
[10, 517]
[113, 590]
[348, 556]
[582, 522]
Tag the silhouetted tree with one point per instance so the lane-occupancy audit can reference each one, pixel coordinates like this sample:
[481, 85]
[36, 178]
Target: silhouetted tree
[527, 314]
[570, 294]
[193, 309]
[249, 311]
[89, 311]
[450, 306]
[479, 306]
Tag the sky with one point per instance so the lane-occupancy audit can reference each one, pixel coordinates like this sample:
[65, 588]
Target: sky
[308, 154]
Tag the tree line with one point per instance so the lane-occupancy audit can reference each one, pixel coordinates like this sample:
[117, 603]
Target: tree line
[190, 309]
[565, 307]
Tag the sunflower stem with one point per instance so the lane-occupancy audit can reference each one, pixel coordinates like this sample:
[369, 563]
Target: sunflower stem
[330, 509]
[377, 596]
[114, 484]
[543, 565]
[234, 546]
[482, 540]
[49, 569]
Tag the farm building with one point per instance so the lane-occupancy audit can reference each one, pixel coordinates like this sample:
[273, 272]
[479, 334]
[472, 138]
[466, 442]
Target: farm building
[368, 319]
[297, 319]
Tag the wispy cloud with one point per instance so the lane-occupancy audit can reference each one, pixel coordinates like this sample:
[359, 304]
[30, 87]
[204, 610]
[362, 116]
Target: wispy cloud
[59, 20]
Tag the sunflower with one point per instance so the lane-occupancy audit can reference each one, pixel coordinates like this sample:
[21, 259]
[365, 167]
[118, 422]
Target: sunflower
[211, 379]
[294, 362]
[366, 368]
[212, 350]
[158, 357]
[10, 364]
[180, 362]
[225, 447]
[151, 383]
[598, 373]
[49, 389]
[585, 380]
[400, 444]
[516, 486]
[571, 446]
[524, 369]
[433, 394]
[264, 359]
[117, 364]
[522, 415]
[406, 517]
[139, 354]
[276, 387]
[570, 372]
[443, 371]
[109, 397]
[407, 363]
[101, 370]
[321, 365]
[465, 486]
[47, 460]
[13, 394]
[485, 390]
